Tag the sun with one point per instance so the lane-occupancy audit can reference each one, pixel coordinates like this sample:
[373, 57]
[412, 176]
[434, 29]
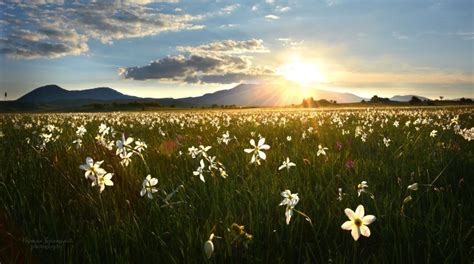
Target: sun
[301, 72]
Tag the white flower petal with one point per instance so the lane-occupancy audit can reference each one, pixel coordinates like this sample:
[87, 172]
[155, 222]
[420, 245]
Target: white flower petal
[355, 233]
[368, 219]
[347, 225]
[365, 231]
[360, 211]
[153, 181]
[350, 214]
[252, 142]
[264, 147]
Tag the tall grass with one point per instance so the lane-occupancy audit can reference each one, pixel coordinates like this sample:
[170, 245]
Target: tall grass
[44, 195]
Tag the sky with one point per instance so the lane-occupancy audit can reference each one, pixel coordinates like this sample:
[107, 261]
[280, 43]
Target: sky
[187, 48]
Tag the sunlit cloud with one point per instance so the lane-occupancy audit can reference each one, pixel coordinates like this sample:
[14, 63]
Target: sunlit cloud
[271, 17]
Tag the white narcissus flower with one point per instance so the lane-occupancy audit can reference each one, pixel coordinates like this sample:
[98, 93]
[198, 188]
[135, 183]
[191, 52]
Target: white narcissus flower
[140, 146]
[433, 133]
[103, 180]
[321, 150]
[203, 150]
[362, 187]
[358, 222]
[413, 187]
[123, 145]
[200, 170]
[125, 158]
[223, 173]
[147, 186]
[81, 131]
[92, 169]
[77, 142]
[193, 152]
[286, 164]
[209, 247]
[257, 150]
[290, 200]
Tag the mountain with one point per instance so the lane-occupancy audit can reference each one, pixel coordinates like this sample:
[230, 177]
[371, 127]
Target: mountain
[54, 93]
[53, 97]
[268, 95]
[406, 98]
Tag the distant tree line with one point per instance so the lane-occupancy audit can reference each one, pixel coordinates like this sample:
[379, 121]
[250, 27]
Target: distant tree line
[417, 101]
[310, 102]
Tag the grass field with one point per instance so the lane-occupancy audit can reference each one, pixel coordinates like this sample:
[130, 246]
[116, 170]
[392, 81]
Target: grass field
[417, 164]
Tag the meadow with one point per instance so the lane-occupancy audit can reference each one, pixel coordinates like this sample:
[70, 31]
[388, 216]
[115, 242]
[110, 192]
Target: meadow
[249, 186]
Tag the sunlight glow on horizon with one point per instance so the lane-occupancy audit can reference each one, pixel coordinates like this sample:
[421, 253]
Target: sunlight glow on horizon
[302, 72]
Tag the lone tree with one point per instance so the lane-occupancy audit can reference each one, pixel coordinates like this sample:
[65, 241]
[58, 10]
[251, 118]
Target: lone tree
[414, 100]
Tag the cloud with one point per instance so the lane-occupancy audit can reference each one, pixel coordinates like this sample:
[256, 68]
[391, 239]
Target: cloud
[216, 62]
[399, 36]
[271, 17]
[466, 35]
[229, 9]
[227, 47]
[293, 44]
[55, 30]
[282, 9]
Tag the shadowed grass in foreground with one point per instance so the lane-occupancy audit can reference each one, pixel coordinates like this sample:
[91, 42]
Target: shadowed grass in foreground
[50, 213]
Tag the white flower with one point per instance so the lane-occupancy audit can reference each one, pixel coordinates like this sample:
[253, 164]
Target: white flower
[212, 163]
[433, 133]
[209, 246]
[257, 150]
[286, 164]
[288, 138]
[193, 151]
[92, 169]
[102, 181]
[223, 173]
[78, 142]
[140, 146]
[147, 186]
[125, 158]
[340, 194]
[321, 150]
[290, 200]
[103, 129]
[362, 187]
[386, 142]
[203, 150]
[123, 145]
[413, 187]
[81, 131]
[225, 138]
[358, 222]
[200, 170]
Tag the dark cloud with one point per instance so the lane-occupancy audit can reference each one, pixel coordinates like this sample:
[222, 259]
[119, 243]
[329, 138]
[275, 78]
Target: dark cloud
[56, 29]
[213, 66]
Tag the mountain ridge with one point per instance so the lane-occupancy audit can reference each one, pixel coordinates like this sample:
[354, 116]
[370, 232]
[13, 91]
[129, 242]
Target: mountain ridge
[245, 95]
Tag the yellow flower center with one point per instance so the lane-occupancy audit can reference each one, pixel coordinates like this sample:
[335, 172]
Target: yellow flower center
[357, 222]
